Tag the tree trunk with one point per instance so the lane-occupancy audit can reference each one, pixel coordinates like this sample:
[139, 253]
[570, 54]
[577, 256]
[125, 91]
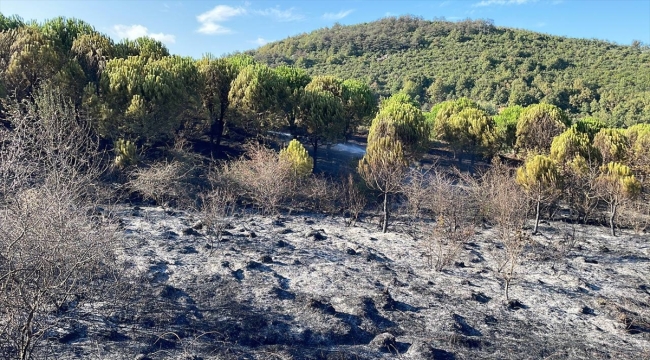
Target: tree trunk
[612, 216]
[507, 288]
[384, 227]
[537, 215]
[315, 145]
[216, 132]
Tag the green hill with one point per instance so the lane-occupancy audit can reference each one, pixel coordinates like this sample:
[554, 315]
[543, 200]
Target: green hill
[439, 60]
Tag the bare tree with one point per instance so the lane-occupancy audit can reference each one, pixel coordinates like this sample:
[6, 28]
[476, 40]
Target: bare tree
[216, 207]
[435, 193]
[504, 206]
[353, 200]
[53, 253]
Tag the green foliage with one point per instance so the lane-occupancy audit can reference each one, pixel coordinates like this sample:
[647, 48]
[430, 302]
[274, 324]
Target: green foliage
[216, 76]
[31, 58]
[383, 156]
[506, 125]
[590, 126]
[10, 22]
[619, 180]
[125, 153]
[639, 152]
[538, 125]
[64, 31]
[359, 104]
[294, 80]
[301, 163]
[144, 47]
[327, 83]
[538, 174]
[571, 144]
[472, 130]
[442, 129]
[147, 97]
[320, 116]
[92, 51]
[399, 98]
[400, 120]
[612, 144]
[382, 167]
[255, 93]
[479, 60]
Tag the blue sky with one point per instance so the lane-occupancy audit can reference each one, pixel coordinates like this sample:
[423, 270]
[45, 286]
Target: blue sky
[193, 28]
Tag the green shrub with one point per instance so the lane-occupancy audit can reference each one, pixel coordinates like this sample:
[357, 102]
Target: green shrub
[301, 163]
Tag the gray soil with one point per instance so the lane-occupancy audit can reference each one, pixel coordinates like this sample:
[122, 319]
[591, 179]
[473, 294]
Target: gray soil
[308, 287]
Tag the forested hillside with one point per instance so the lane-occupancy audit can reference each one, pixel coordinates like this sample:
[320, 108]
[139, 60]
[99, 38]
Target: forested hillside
[441, 60]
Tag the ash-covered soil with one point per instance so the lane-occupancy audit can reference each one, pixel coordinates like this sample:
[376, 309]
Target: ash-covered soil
[308, 287]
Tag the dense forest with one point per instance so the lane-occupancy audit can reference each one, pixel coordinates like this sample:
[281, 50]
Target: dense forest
[441, 60]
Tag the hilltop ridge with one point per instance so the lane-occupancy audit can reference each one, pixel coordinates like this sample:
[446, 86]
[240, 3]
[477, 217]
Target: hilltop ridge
[440, 60]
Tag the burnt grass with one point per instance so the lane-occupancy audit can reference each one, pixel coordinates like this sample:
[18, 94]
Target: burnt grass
[325, 291]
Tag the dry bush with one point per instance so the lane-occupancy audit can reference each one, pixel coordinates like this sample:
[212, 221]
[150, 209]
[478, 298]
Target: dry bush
[49, 144]
[504, 205]
[216, 207]
[165, 182]
[321, 194]
[353, 200]
[263, 177]
[579, 192]
[52, 257]
[435, 192]
[635, 214]
[444, 243]
[53, 254]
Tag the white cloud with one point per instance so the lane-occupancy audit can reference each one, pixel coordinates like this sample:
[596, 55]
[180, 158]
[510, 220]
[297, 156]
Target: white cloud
[541, 24]
[210, 20]
[503, 2]
[281, 15]
[260, 41]
[136, 31]
[337, 16]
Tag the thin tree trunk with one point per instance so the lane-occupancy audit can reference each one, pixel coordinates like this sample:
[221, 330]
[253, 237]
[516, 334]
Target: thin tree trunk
[216, 132]
[315, 145]
[537, 215]
[612, 216]
[507, 289]
[385, 224]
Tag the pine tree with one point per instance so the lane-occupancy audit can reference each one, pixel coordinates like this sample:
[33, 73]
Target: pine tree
[301, 163]
[612, 144]
[616, 184]
[590, 126]
[397, 135]
[383, 168]
[571, 144]
[541, 179]
[125, 151]
[400, 119]
[538, 125]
